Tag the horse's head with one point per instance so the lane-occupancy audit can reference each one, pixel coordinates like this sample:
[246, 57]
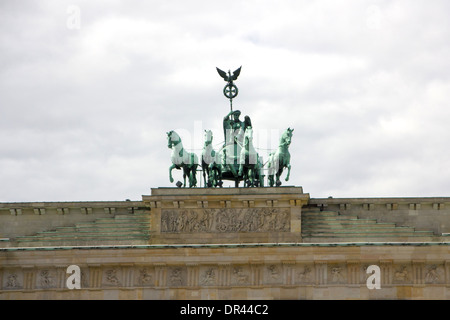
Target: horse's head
[172, 138]
[208, 137]
[248, 136]
[286, 137]
[169, 138]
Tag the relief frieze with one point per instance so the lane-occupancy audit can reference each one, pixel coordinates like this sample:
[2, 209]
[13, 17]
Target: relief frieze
[225, 220]
[233, 275]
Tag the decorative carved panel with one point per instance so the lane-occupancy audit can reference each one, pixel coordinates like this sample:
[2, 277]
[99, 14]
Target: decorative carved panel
[225, 220]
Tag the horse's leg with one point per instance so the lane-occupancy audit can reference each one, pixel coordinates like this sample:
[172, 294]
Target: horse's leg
[170, 172]
[194, 175]
[212, 176]
[233, 170]
[281, 165]
[260, 176]
[279, 172]
[191, 177]
[217, 174]
[184, 177]
[245, 177]
[251, 175]
[258, 182]
[289, 171]
[205, 169]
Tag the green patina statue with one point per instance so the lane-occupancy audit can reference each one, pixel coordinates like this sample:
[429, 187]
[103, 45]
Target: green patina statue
[280, 159]
[230, 90]
[181, 159]
[211, 162]
[237, 160]
[249, 164]
[234, 133]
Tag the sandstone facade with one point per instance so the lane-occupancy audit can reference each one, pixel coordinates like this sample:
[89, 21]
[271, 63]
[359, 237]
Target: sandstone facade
[247, 243]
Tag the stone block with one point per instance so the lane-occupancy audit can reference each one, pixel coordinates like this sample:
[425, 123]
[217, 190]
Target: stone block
[229, 215]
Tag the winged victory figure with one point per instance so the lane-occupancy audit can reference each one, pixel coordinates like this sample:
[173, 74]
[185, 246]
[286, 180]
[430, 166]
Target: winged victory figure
[229, 77]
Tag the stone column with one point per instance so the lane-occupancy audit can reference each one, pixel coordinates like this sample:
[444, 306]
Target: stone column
[192, 275]
[320, 272]
[160, 275]
[95, 276]
[289, 276]
[353, 272]
[447, 272]
[256, 269]
[128, 276]
[224, 278]
[418, 272]
[386, 272]
[61, 276]
[29, 278]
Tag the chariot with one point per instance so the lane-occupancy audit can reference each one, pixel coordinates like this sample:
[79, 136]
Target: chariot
[237, 159]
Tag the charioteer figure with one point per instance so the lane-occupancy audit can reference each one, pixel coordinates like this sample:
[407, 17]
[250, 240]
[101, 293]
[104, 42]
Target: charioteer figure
[234, 128]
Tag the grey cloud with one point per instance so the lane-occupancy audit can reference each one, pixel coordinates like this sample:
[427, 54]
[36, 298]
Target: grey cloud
[85, 112]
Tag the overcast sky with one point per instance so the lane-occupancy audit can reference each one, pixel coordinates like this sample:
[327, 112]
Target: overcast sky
[88, 90]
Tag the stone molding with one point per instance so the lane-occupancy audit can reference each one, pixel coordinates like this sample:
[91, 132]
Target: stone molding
[388, 204]
[228, 268]
[272, 274]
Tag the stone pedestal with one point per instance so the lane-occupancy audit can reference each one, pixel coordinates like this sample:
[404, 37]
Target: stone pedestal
[226, 215]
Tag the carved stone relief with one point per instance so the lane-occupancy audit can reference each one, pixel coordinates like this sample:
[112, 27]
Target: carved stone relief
[337, 274]
[240, 275]
[273, 274]
[46, 279]
[304, 275]
[208, 276]
[270, 274]
[176, 276]
[13, 281]
[434, 274]
[111, 277]
[402, 274]
[225, 220]
[145, 277]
